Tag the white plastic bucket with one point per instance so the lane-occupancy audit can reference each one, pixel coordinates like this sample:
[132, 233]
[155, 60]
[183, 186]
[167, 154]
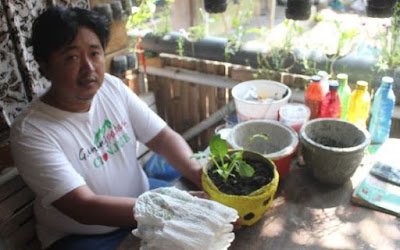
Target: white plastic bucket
[294, 115]
[278, 94]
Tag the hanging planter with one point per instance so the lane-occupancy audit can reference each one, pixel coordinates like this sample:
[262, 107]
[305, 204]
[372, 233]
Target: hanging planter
[215, 6]
[380, 8]
[298, 9]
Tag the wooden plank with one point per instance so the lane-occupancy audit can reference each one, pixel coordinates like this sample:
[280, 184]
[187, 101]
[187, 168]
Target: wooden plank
[18, 219]
[221, 97]
[9, 206]
[170, 107]
[19, 239]
[176, 106]
[185, 97]
[10, 187]
[192, 76]
[131, 80]
[96, 2]
[203, 106]
[194, 109]
[6, 159]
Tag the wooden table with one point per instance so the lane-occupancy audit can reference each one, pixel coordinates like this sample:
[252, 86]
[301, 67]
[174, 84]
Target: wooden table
[309, 215]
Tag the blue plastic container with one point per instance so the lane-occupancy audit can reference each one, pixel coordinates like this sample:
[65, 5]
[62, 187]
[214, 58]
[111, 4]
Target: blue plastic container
[158, 168]
[382, 111]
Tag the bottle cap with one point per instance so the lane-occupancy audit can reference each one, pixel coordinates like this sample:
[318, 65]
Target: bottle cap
[322, 74]
[387, 79]
[315, 78]
[362, 85]
[333, 84]
[342, 77]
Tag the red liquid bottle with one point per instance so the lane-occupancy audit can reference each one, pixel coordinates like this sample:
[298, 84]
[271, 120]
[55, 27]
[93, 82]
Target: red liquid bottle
[313, 96]
[330, 106]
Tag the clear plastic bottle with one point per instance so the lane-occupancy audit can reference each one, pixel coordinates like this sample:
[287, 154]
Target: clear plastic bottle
[382, 110]
[324, 81]
[330, 106]
[313, 96]
[344, 92]
[360, 101]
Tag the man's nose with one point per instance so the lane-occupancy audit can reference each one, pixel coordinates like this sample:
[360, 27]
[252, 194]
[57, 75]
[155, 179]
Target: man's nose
[87, 64]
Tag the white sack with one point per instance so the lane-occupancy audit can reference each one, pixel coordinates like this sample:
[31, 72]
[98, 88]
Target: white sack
[169, 218]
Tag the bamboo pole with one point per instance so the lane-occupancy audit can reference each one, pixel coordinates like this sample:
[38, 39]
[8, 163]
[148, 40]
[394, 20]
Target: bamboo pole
[210, 121]
[192, 76]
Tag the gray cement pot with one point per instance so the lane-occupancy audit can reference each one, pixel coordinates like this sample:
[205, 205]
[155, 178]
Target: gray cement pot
[333, 149]
[279, 148]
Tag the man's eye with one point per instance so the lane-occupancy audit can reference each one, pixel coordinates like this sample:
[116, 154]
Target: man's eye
[96, 53]
[72, 58]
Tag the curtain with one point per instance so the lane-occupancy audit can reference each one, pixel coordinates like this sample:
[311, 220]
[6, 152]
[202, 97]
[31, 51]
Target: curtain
[20, 80]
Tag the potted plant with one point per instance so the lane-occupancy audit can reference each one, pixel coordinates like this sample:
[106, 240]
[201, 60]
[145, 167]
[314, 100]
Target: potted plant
[389, 57]
[215, 6]
[298, 9]
[241, 179]
[380, 8]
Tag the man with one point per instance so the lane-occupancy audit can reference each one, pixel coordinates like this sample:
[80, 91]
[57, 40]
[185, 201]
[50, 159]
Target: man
[75, 146]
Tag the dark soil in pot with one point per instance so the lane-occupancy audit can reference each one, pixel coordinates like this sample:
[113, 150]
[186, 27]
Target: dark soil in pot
[329, 142]
[242, 185]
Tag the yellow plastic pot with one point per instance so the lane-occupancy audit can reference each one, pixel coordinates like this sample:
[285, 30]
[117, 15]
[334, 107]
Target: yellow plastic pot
[250, 207]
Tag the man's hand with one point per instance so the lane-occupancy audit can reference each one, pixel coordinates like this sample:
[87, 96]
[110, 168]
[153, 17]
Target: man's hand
[200, 194]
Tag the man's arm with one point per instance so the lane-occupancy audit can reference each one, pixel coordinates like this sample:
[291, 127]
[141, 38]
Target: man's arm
[86, 207]
[177, 152]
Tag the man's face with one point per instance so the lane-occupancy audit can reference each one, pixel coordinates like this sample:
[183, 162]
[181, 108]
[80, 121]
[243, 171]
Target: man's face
[76, 71]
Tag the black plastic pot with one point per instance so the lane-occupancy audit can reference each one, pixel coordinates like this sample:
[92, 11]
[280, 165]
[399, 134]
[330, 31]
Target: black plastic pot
[215, 6]
[298, 9]
[380, 8]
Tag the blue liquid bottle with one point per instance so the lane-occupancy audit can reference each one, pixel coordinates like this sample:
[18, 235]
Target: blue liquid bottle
[382, 110]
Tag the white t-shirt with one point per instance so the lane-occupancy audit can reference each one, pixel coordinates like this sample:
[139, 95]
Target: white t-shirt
[57, 151]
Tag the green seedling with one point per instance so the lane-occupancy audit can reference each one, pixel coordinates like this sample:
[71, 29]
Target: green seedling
[227, 162]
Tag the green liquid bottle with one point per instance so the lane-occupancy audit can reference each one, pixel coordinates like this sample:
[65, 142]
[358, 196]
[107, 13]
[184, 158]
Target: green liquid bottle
[344, 92]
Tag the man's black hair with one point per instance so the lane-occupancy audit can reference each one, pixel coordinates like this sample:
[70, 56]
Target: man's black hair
[58, 26]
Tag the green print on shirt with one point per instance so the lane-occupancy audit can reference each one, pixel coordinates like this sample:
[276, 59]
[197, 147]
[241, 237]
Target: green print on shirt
[102, 132]
[107, 136]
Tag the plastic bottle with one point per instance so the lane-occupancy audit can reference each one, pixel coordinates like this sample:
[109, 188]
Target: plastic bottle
[313, 96]
[360, 100]
[382, 110]
[344, 92]
[324, 81]
[330, 106]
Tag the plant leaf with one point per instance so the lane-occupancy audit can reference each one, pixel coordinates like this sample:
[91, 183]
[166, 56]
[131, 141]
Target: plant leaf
[244, 169]
[218, 147]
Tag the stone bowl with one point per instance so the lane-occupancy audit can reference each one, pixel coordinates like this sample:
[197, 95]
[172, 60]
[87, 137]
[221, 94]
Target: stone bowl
[279, 148]
[333, 149]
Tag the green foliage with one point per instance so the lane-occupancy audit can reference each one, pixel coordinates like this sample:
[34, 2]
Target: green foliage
[146, 13]
[345, 38]
[389, 59]
[236, 32]
[141, 15]
[278, 56]
[225, 161]
[180, 47]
